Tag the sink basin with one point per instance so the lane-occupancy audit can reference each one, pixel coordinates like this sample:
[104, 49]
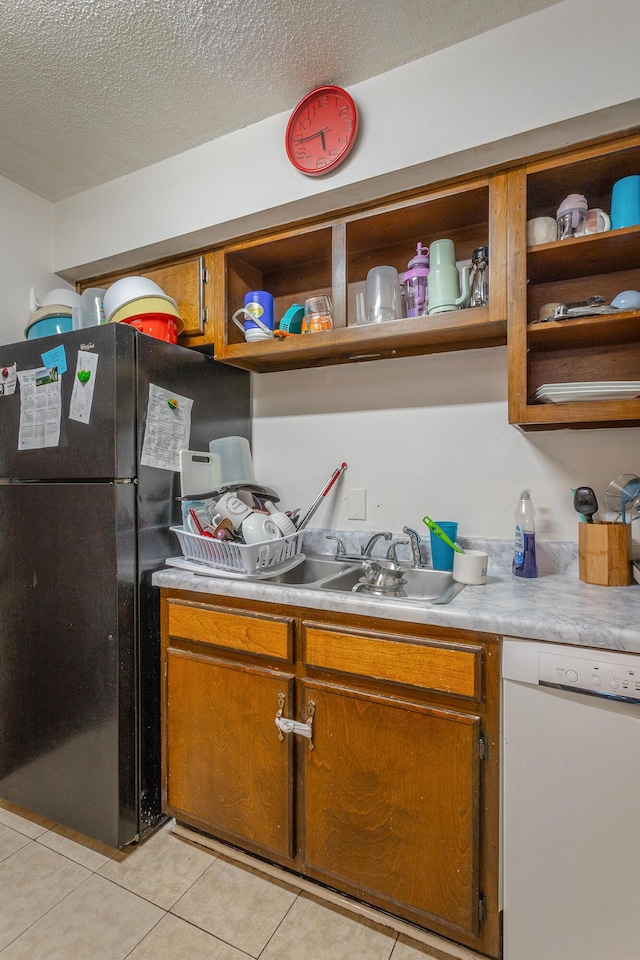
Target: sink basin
[420, 584]
[325, 573]
[311, 570]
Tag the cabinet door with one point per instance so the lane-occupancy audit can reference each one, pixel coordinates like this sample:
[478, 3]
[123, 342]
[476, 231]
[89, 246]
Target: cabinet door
[226, 766]
[392, 802]
[185, 281]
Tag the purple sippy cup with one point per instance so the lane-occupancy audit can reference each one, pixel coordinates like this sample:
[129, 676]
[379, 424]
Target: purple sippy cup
[414, 283]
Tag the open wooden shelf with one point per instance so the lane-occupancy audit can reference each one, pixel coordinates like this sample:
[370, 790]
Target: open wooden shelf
[600, 330]
[597, 253]
[457, 330]
[587, 414]
[604, 347]
[333, 257]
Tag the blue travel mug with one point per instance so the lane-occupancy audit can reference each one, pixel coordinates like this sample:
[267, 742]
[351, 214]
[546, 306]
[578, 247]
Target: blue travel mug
[258, 313]
[625, 203]
[441, 553]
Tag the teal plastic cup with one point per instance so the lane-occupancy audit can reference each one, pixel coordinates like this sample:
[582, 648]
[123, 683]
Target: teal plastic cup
[441, 553]
[625, 202]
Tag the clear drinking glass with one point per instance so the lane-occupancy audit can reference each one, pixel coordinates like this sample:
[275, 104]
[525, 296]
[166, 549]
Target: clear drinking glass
[382, 295]
[317, 314]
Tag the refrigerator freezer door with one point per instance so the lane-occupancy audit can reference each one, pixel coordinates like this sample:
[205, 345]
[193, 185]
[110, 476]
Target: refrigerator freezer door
[99, 450]
[69, 739]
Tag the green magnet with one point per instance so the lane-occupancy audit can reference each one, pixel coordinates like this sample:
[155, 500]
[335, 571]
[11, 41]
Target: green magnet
[173, 404]
[83, 376]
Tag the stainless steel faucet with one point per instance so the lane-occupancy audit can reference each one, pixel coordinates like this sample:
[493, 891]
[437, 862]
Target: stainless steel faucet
[371, 542]
[416, 553]
[366, 551]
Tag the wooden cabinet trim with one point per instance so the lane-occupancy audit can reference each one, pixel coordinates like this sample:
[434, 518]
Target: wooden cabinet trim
[265, 635]
[450, 668]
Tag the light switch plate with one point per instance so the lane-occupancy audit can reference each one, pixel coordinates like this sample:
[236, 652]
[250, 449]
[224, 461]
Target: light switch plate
[357, 505]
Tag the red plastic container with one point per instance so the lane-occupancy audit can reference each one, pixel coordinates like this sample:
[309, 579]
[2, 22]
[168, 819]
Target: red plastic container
[162, 326]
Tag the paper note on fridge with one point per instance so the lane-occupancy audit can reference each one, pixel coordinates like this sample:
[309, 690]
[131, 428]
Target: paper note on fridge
[167, 429]
[40, 409]
[56, 358]
[83, 386]
[8, 379]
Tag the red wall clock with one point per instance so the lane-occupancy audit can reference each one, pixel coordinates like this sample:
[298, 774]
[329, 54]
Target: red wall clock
[321, 131]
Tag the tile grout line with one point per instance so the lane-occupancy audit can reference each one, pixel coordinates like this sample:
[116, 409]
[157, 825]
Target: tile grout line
[280, 922]
[52, 907]
[358, 909]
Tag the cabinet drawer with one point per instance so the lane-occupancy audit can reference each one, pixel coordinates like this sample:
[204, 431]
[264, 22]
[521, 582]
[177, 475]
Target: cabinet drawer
[267, 636]
[430, 664]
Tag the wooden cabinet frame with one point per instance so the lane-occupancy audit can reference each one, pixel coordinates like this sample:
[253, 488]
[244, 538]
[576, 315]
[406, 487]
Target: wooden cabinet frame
[603, 347]
[333, 257]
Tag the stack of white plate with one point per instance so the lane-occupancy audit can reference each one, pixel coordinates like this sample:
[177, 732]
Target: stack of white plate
[590, 390]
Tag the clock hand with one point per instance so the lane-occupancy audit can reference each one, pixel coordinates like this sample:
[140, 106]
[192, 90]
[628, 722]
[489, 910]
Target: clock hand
[312, 136]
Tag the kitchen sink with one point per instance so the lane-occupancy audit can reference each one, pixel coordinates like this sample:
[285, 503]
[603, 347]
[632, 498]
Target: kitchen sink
[341, 576]
[421, 584]
[312, 570]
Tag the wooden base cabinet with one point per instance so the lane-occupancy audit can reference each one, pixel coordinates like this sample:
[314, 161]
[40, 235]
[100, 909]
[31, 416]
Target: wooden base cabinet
[383, 785]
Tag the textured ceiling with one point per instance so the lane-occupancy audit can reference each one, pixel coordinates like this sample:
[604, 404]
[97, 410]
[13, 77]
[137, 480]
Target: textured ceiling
[94, 89]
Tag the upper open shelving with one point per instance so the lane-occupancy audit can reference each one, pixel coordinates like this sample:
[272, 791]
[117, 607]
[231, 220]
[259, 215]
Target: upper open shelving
[334, 258]
[605, 347]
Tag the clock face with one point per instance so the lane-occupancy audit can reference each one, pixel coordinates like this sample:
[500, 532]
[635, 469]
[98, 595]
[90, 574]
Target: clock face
[321, 130]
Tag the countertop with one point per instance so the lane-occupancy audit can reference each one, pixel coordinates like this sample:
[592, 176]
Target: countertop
[554, 607]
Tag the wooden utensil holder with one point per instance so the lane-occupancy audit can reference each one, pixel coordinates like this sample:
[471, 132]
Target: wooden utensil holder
[604, 554]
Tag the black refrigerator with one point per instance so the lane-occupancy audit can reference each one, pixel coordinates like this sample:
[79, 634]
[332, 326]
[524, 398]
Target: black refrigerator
[83, 525]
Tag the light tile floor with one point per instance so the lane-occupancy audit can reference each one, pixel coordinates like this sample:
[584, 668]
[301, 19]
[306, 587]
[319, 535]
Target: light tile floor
[64, 897]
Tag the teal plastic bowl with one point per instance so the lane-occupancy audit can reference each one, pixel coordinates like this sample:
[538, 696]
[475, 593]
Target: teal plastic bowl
[49, 327]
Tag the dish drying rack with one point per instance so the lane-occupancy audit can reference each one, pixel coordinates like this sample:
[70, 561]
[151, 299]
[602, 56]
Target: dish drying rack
[240, 558]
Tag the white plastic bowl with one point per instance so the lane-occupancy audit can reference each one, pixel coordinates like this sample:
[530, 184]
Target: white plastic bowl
[66, 296]
[127, 289]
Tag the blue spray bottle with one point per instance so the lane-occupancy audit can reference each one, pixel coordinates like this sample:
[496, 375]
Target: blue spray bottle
[524, 558]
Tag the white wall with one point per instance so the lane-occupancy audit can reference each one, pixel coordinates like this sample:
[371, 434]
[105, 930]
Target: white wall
[524, 87]
[423, 435]
[26, 256]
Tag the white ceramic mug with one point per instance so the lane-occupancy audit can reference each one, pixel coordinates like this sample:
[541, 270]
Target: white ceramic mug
[259, 528]
[595, 221]
[285, 524]
[541, 230]
[470, 567]
[233, 509]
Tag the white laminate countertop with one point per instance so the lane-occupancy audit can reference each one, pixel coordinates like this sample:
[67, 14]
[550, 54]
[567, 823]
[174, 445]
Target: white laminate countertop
[553, 607]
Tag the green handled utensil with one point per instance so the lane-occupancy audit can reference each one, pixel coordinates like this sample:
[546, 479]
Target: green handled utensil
[439, 532]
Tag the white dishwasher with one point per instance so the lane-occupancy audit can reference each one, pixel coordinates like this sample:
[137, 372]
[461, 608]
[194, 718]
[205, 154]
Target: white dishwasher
[571, 803]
